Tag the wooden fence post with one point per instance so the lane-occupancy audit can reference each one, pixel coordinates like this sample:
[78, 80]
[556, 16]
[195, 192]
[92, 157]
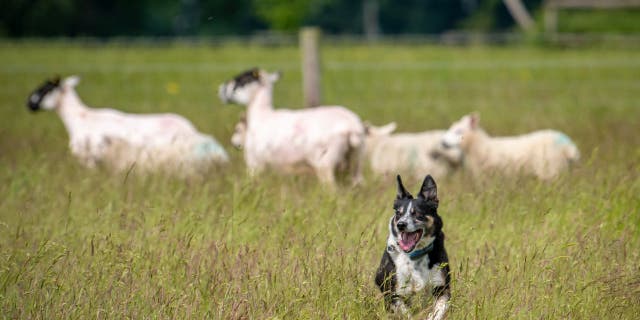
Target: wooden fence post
[310, 51]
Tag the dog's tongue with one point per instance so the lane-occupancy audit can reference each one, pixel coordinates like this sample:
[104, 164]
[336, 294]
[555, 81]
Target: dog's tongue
[408, 240]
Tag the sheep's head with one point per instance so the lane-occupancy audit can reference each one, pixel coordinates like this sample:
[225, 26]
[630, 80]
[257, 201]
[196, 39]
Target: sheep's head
[242, 88]
[459, 130]
[47, 95]
[239, 133]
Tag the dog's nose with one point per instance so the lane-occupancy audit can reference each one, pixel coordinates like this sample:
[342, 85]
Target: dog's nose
[402, 225]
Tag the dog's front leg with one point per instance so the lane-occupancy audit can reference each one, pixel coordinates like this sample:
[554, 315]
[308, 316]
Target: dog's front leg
[398, 306]
[441, 291]
[440, 308]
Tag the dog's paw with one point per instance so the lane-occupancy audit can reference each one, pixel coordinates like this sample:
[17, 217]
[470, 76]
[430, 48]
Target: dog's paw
[400, 309]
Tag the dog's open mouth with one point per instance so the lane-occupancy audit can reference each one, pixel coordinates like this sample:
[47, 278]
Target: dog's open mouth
[409, 240]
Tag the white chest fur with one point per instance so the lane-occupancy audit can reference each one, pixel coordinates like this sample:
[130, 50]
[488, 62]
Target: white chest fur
[414, 275]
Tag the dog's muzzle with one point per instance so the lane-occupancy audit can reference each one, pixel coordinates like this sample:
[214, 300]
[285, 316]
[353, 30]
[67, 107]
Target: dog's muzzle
[409, 240]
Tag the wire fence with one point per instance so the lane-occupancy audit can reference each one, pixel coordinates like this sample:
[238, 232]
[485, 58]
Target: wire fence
[454, 38]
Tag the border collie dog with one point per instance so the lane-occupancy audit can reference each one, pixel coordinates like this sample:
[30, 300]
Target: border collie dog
[415, 259]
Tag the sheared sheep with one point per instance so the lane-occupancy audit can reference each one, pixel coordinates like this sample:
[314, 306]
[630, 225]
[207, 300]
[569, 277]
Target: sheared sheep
[544, 154]
[322, 138]
[413, 153]
[118, 140]
[417, 154]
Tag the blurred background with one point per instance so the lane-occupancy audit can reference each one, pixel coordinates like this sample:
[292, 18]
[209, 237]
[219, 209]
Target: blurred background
[369, 18]
[79, 243]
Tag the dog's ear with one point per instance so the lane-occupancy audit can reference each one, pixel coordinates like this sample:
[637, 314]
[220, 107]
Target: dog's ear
[429, 190]
[402, 192]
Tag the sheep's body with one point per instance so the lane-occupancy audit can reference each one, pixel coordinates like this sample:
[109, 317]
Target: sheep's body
[543, 154]
[324, 139]
[238, 140]
[118, 140]
[186, 156]
[298, 140]
[416, 154]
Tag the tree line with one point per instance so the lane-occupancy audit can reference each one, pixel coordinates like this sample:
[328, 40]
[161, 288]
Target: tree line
[101, 18]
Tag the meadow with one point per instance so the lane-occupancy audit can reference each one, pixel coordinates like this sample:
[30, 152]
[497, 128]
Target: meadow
[78, 243]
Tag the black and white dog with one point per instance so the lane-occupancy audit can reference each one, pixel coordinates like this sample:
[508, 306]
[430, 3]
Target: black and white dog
[415, 258]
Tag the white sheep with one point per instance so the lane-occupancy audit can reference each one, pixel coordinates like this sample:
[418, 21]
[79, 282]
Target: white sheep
[239, 135]
[118, 140]
[544, 153]
[325, 139]
[416, 154]
[412, 153]
[188, 156]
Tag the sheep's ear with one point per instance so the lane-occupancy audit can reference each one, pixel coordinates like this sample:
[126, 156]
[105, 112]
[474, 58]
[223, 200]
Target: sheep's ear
[429, 190]
[402, 192]
[275, 76]
[387, 129]
[474, 120]
[70, 82]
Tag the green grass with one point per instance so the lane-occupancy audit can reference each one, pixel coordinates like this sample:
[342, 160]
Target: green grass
[76, 243]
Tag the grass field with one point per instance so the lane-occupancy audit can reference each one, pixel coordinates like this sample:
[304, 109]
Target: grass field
[81, 244]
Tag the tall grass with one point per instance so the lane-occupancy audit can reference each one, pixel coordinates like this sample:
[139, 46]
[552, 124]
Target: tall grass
[76, 243]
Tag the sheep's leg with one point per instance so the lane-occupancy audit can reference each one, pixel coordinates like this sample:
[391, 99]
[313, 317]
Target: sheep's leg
[327, 176]
[355, 166]
[82, 152]
[327, 162]
[254, 170]
[254, 166]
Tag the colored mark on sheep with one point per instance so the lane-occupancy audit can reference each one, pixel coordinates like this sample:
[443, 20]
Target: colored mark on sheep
[562, 140]
[208, 148]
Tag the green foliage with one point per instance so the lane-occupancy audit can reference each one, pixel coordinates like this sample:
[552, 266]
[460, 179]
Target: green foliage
[493, 15]
[229, 17]
[21, 18]
[602, 21]
[77, 243]
[420, 17]
[283, 15]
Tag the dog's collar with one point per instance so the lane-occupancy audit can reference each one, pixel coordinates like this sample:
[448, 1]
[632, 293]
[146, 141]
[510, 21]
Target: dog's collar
[418, 254]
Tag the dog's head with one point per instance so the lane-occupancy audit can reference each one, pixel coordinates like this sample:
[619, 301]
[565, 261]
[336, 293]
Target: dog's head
[416, 221]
